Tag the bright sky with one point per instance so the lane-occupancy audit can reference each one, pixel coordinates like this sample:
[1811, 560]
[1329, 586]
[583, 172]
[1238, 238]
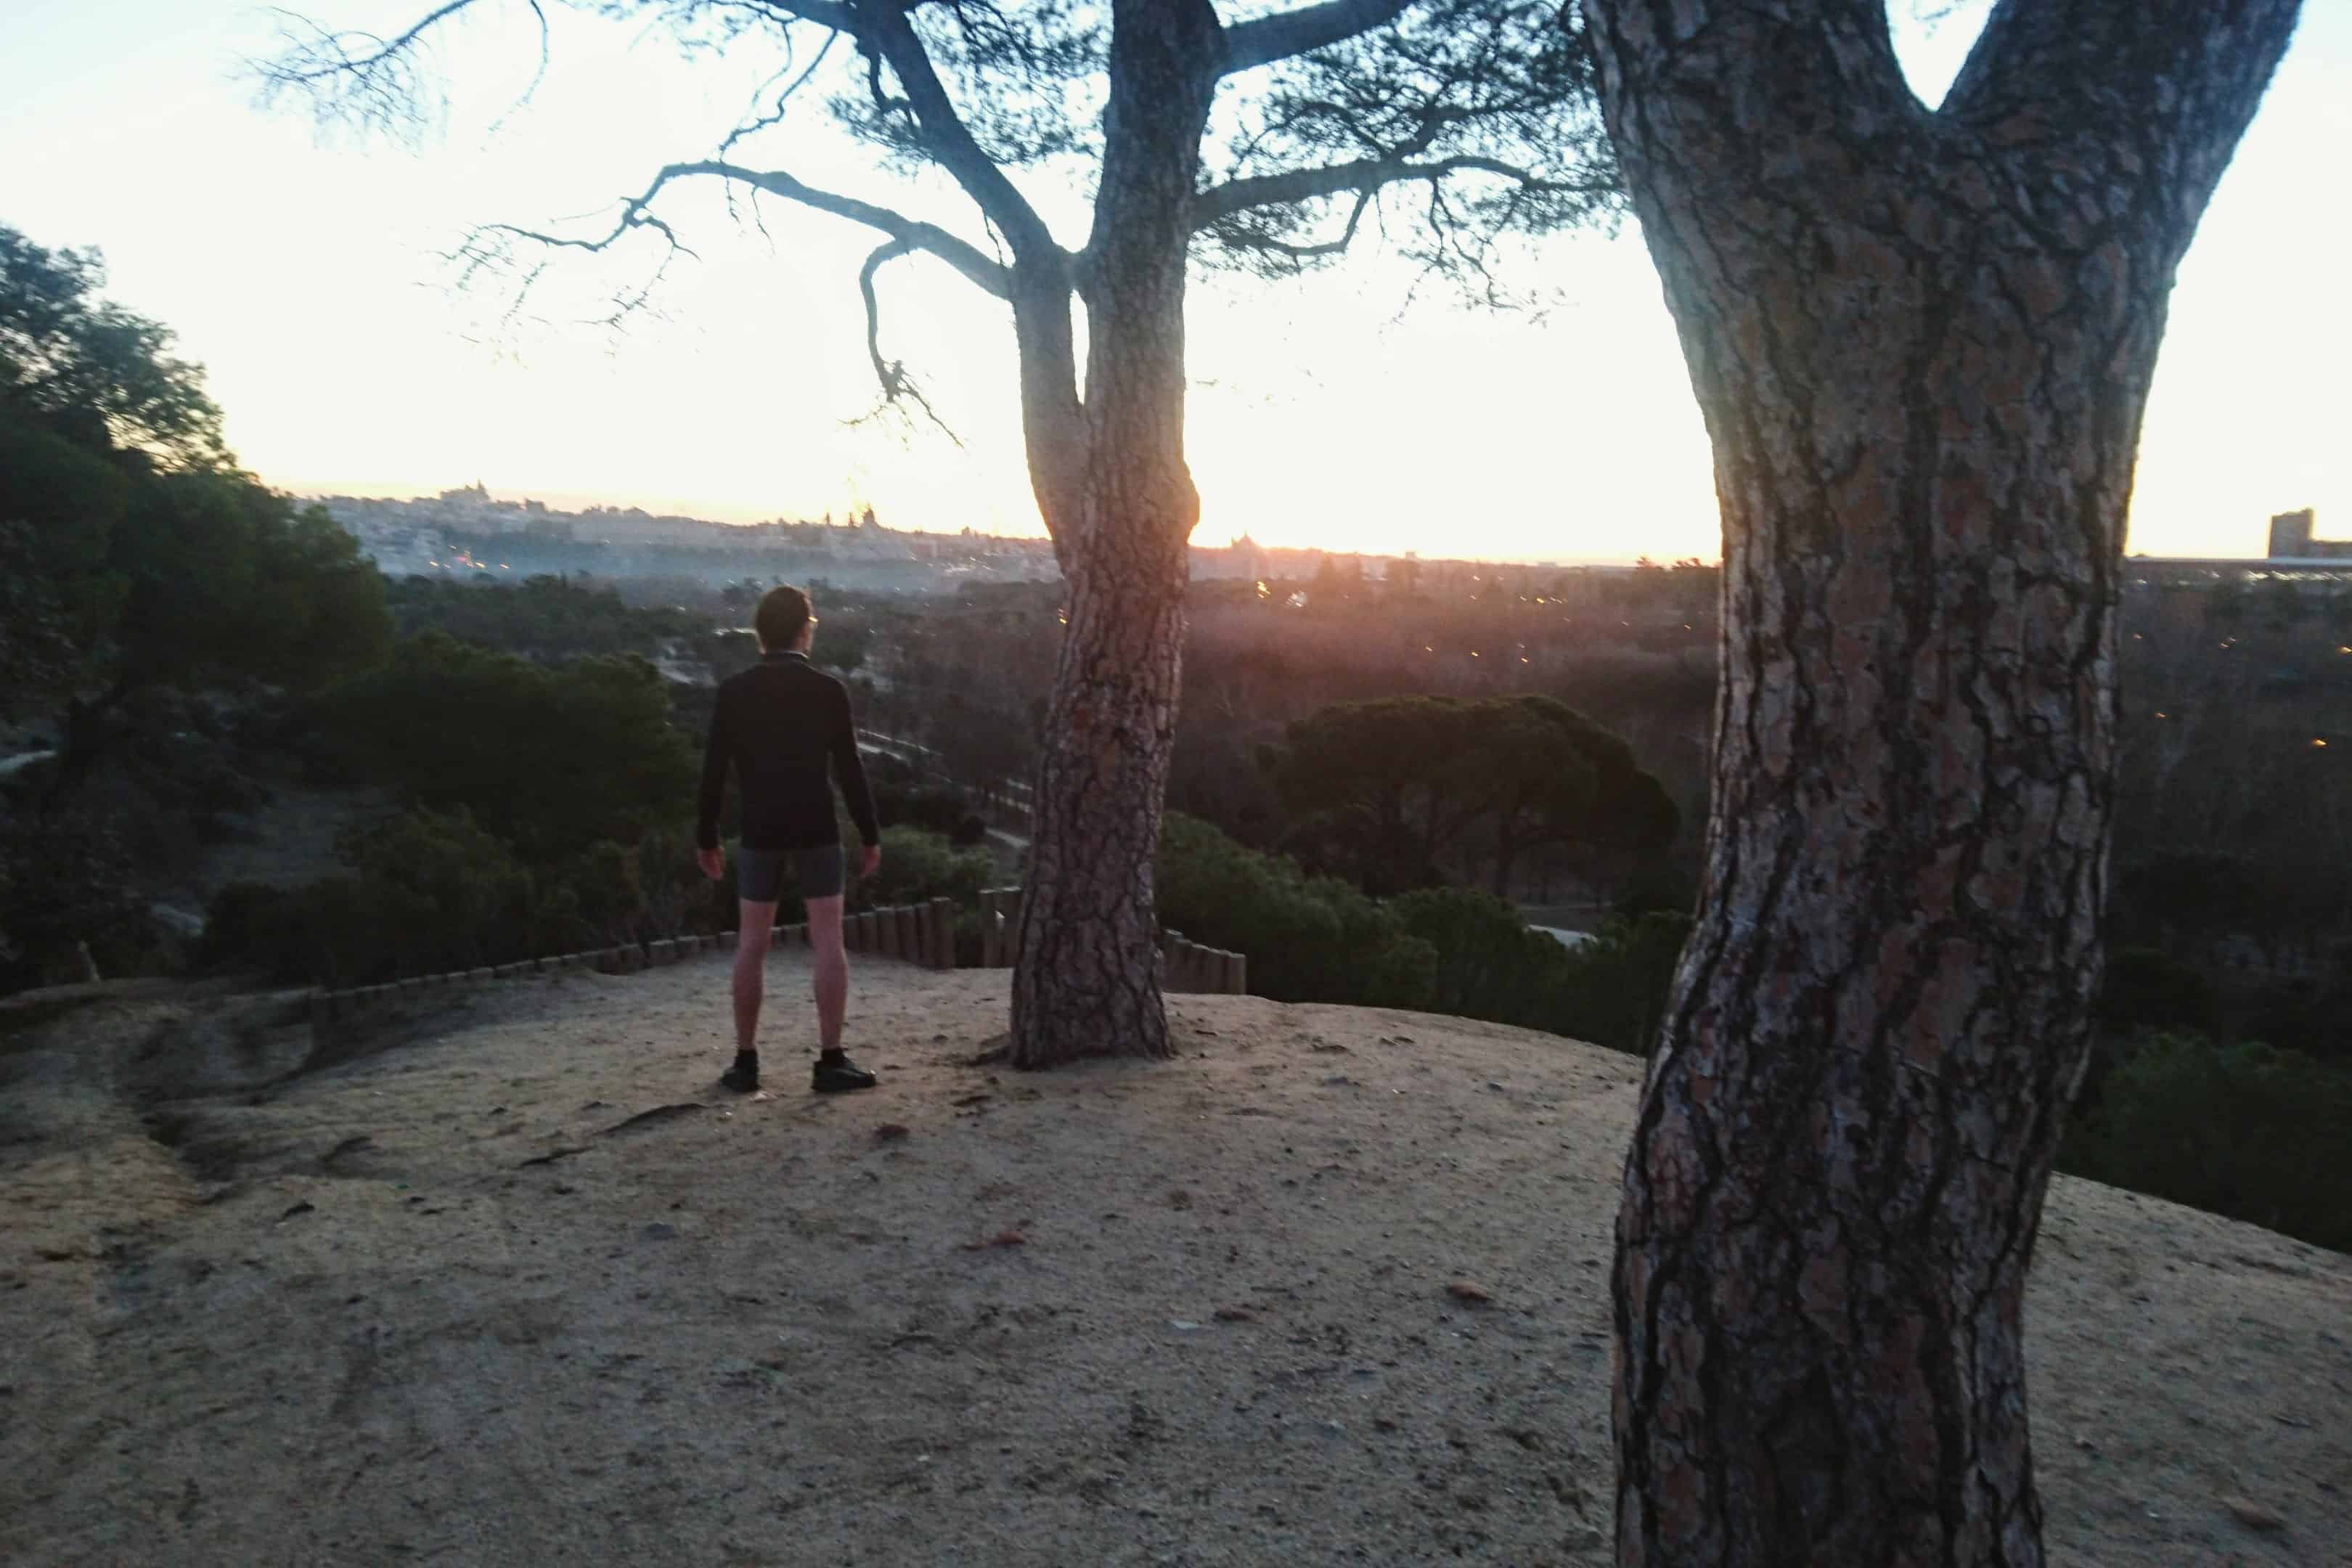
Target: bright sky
[306, 277]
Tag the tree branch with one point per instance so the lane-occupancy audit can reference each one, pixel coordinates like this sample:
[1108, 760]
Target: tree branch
[636, 214]
[1362, 175]
[1293, 251]
[329, 54]
[2078, 78]
[775, 116]
[949, 139]
[1287, 34]
[892, 373]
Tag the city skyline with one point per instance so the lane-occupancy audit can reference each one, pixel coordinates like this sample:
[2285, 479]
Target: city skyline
[304, 278]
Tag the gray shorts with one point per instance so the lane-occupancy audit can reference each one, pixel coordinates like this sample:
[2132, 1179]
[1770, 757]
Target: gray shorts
[760, 873]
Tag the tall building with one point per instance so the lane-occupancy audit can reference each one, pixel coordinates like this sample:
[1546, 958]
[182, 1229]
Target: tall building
[2291, 538]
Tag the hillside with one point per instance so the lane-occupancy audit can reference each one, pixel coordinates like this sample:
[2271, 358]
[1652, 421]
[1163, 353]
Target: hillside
[505, 1284]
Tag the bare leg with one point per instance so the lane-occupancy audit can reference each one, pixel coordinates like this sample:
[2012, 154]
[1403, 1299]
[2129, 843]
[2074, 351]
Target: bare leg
[832, 970]
[753, 924]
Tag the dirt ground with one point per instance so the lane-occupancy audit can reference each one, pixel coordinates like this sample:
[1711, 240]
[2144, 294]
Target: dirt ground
[509, 1283]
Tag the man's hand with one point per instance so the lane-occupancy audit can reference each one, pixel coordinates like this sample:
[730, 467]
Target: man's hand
[870, 861]
[713, 863]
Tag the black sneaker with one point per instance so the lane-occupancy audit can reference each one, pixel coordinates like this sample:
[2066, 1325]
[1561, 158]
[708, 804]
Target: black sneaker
[742, 1077]
[840, 1076]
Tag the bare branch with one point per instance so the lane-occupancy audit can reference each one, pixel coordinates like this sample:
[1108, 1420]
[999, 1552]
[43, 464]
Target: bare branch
[539, 73]
[1287, 34]
[636, 214]
[783, 100]
[950, 142]
[357, 79]
[892, 373]
[1361, 174]
[329, 53]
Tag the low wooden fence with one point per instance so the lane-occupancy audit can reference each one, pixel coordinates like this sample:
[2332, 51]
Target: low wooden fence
[1184, 964]
[918, 933]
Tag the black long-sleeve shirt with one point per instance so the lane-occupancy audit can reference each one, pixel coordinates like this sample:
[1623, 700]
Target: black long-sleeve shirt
[778, 725]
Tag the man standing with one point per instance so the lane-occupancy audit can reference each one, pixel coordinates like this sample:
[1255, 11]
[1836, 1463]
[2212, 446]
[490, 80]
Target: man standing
[784, 726]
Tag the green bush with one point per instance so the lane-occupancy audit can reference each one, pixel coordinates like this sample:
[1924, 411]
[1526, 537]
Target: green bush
[1490, 964]
[2247, 1131]
[1308, 939]
[542, 617]
[941, 811]
[1609, 990]
[550, 760]
[65, 881]
[429, 892]
[919, 866]
[1619, 978]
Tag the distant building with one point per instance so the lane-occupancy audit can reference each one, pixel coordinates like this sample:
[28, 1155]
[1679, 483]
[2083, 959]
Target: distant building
[2291, 538]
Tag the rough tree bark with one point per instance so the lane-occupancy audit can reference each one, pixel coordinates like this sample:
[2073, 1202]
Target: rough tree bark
[1114, 486]
[1922, 341]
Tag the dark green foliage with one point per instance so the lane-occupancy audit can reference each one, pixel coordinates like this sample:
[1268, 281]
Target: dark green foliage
[1308, 939]
[1379, 790]
[429, 892]
[1620, 979]
[1382, 791]
[99, 375]
[1490, 964]
[2247, 1131]
[2148, 989]
[441, 893]
[944, 812]
[63, 882]
[2199, 892]
[1446, 950]
[544, 617]
[1609, 990]
[552, 759]
[176, 578]
[919, 866]
[136, 554]
[225, 578]
[612, 894]
[2309, 1014]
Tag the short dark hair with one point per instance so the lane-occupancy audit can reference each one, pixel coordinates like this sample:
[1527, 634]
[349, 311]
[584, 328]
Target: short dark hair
[783, 612]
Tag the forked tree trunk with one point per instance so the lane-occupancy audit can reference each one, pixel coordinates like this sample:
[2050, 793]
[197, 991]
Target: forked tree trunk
[1922, 341]
[1113, 482]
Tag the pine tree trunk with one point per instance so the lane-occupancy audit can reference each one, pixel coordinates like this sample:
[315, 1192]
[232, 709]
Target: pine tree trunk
[1086, 980]
[1922, 343]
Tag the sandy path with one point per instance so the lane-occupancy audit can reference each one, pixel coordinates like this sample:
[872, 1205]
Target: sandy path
[448, 1303]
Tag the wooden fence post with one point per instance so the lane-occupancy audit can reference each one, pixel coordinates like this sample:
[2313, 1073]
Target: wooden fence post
[943, 953]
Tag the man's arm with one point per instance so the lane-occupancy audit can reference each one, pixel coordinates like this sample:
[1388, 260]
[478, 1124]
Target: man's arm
[716, 755]
[849, 769]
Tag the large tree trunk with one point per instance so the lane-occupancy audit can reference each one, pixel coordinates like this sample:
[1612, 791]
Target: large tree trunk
[1086, 980]
[1922, 342]
[1122, 505]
